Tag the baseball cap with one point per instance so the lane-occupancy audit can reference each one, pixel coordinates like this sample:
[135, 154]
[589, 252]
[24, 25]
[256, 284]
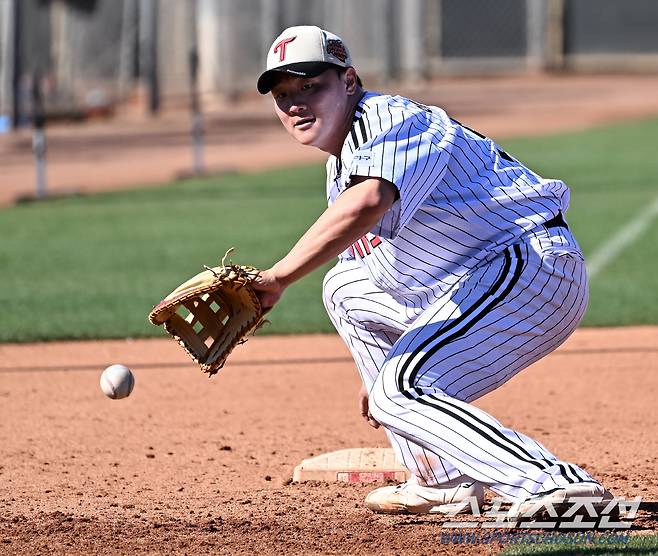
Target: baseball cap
[304, 51]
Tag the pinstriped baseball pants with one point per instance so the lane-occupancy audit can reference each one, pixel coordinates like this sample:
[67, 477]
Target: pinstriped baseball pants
[422, 370]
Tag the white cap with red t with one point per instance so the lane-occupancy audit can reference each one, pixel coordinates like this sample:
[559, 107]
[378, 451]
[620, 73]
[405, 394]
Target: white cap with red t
[305, 51]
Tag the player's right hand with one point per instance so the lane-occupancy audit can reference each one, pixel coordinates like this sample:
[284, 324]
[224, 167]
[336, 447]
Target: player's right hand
[365, 412]
[268, 288]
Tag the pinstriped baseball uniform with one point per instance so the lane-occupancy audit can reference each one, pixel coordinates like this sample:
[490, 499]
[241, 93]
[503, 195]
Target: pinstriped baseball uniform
[470, 277]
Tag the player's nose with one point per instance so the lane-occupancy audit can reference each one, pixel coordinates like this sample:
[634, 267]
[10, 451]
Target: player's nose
[297, 105]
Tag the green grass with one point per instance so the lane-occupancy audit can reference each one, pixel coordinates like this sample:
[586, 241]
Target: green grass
[92, 267]
[604, 545]
[613, 174]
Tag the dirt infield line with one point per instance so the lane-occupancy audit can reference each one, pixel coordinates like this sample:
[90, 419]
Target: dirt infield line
[94, 367]
[162, 353]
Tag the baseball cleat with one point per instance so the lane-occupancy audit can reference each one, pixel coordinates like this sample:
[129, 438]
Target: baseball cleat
[561, 499]
[411, 498]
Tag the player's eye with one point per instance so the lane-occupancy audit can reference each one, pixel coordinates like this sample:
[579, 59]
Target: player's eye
[307, 86]
[279, 96]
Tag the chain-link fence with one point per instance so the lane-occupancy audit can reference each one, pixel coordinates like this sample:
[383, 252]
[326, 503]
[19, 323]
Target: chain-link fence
[91, 54]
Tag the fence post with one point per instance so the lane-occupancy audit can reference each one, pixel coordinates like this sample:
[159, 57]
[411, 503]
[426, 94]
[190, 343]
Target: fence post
[536, 24]
[125, 73]
[269, 26]
[8, 32]
[39, 135]
[64, 42]
[412, 48]
[148, 59]
[385, 39]
[228, 72]
[195, 104]
[555, 34]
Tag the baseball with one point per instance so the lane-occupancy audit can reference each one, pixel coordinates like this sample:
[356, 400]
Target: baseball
[117, 382]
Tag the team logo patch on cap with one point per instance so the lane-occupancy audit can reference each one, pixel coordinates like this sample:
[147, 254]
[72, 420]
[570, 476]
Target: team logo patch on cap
[337, 49]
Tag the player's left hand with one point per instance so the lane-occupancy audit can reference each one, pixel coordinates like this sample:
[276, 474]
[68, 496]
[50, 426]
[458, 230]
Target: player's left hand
[268, 288]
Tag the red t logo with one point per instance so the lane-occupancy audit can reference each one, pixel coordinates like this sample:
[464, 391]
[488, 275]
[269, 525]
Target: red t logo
[281, 47]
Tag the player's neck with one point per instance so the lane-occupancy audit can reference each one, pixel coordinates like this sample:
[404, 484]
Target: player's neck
[348, 121]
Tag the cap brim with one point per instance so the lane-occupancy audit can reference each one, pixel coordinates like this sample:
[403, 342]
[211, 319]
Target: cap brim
[301, 69]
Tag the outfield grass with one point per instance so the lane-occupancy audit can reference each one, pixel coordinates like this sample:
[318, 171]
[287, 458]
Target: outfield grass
[613, 174]
[93, 267]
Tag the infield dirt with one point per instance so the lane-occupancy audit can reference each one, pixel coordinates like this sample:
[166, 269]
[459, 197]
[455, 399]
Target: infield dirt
[189, 464]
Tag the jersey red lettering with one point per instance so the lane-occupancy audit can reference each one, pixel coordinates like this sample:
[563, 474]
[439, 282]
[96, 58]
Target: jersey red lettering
[280, 47]
[365, 245]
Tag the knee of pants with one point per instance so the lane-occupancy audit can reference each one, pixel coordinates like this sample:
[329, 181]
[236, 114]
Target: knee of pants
[377, 402]
[384, 397]
[330, 291]
[390, 394]
[341, 295]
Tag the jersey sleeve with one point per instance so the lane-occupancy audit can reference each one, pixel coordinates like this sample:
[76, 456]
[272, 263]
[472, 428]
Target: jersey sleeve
[412, 153]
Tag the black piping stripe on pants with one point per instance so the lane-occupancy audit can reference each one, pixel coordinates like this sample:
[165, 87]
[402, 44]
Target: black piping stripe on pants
[488, 294]
[444, 406]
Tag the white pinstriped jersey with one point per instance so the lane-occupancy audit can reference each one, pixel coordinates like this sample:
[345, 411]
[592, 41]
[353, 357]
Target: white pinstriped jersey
[462, 199]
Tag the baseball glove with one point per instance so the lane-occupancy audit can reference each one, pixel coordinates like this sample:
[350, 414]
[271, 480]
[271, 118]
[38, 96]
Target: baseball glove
[211, 313]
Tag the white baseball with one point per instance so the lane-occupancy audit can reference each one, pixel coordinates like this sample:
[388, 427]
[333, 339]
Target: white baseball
[117, 382]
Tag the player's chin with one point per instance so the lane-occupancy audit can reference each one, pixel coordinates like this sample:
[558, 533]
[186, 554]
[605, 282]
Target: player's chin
[306, 137]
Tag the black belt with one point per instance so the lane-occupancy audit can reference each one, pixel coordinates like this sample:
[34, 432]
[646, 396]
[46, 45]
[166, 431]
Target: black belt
[557, 222]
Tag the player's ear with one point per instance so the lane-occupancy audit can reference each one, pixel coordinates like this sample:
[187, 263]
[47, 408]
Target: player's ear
[351, 80]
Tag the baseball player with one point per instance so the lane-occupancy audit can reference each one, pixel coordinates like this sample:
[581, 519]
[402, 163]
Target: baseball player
[456, 270]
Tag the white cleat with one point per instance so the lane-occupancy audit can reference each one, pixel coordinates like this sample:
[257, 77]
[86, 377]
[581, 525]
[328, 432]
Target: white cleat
[561, 499]
[411, 498]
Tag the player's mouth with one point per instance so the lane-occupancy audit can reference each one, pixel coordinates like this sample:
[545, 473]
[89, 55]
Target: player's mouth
[304, 123]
